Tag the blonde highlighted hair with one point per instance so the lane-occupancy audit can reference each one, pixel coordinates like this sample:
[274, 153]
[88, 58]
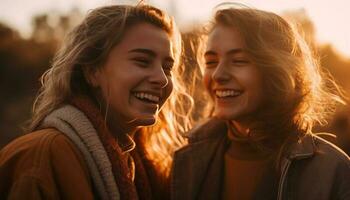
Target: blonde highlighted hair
[88, 46]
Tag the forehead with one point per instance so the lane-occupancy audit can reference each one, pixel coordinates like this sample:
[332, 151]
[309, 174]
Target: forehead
[224, 38]
[146, 36]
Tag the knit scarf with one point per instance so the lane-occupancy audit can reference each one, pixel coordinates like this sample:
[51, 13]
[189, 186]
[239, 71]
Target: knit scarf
[84, 124]
[118, 159]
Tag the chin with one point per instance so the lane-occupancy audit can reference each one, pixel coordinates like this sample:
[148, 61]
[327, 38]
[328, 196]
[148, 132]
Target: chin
[224, 115]
[146, 120]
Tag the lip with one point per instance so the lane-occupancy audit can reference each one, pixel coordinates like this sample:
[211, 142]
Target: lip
[227, 102]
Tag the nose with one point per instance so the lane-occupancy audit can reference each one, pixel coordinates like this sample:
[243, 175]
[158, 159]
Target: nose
[221, 74]
[158, 76]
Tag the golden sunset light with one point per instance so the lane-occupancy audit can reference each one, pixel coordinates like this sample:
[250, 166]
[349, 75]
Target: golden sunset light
[174, 99]
[329, 17]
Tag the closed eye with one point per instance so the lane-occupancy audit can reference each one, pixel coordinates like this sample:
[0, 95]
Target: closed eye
[143, 62]
[240, 62]
[211, 64]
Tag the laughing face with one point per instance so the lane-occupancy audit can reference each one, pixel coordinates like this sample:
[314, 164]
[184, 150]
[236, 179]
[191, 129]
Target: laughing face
[231, 78]
[136, 78]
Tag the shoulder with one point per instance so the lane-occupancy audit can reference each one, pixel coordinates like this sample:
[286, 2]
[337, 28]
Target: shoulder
[45, 161]
[208, 129]
[36, 153]
[30, 142]
[336, 163]
[324, 148]
[35, 142]
[329, 158]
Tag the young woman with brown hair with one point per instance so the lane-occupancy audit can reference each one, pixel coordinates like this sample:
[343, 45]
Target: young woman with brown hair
[117, 72]
[267, 92]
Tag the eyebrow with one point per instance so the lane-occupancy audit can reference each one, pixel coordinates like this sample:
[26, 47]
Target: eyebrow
[144, 51]
[229, 52]
[149, 53]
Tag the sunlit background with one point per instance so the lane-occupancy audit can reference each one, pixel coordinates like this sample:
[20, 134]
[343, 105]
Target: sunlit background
[31, 31]
[330, 17]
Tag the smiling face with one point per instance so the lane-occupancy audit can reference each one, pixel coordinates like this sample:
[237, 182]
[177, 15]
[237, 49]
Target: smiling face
[231, 78]
[136, 78]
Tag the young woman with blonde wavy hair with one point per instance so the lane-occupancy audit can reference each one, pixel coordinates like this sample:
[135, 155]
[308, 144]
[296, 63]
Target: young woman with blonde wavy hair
[267, 92]
[117, 73]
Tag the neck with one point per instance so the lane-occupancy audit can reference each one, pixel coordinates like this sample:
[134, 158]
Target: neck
[120, 130]
[113, 120]
[118, 127]
[241, 128]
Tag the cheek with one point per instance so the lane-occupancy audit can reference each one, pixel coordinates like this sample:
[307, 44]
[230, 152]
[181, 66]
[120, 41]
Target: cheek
[116, 88]
[258, 94]
[207, 80]
[261, 96]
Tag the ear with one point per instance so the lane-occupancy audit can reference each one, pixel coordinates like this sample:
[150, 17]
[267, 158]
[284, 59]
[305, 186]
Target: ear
[92, 76]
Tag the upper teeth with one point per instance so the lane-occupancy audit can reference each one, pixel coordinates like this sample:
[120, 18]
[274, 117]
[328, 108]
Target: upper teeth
[143, 95]
[227, 93]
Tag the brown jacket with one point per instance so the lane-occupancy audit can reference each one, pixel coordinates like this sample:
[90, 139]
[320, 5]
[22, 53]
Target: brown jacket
[313, 169]
[73, 156]
[43, 165]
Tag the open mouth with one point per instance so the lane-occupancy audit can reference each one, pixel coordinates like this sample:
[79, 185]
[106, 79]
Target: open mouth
[147, 97]
[227, 93]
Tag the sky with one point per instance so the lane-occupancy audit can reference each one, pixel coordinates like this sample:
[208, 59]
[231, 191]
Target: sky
[330, 17]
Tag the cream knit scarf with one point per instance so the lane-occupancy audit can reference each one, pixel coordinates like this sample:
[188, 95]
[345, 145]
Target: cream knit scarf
[77, 127]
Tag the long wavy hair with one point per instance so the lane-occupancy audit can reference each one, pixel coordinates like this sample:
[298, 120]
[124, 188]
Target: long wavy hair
[299, 93]
[87, 47]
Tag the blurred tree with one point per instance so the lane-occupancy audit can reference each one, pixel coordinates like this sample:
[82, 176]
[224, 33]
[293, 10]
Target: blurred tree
[65, 23]
[22, 62]
[43, 32]
[337, 65]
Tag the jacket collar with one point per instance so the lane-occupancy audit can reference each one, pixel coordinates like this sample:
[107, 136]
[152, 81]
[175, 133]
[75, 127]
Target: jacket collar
[213, 128]
[303, 148]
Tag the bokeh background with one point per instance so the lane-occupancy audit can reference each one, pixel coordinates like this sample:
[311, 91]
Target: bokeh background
[31, 32]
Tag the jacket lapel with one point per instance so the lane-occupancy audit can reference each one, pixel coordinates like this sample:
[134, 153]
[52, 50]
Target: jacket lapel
[196, 166]
[303, 148]
[211, 186]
